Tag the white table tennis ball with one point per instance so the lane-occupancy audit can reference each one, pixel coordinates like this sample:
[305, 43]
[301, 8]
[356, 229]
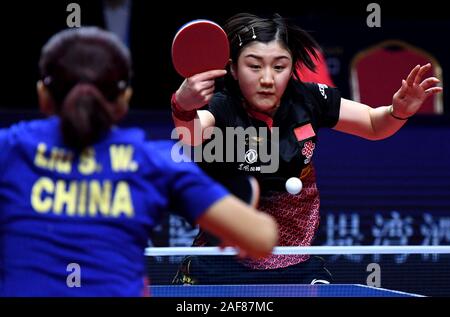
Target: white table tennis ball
[294, 185]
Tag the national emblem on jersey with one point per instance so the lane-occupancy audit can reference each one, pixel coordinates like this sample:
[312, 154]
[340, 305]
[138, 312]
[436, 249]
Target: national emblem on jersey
[308, 150]
[304, 132]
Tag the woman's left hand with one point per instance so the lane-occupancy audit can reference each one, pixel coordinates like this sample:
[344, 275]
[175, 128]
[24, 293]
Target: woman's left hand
[413, 92]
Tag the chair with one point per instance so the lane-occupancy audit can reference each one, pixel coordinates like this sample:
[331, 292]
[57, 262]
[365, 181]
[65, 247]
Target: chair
[376, 74]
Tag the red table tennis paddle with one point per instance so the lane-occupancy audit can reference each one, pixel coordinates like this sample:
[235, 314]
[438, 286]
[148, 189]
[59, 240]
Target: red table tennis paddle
[199, 46]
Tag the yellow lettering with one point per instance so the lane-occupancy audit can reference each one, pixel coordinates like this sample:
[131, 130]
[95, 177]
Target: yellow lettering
[39, 159]
[87, 164]
[42, 205]
[60, 160]
[65, 197]
[82, 198]
[122, 201]
[122, 158]
[99, 198]
[82, 194]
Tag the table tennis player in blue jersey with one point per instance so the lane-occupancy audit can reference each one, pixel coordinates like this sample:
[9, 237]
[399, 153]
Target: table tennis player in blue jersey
[79, 196]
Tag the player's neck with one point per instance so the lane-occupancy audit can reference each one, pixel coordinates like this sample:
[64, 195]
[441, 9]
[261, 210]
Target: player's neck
[257, 112]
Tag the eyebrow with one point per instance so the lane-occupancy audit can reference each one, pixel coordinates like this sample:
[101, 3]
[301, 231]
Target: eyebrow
[260, 58]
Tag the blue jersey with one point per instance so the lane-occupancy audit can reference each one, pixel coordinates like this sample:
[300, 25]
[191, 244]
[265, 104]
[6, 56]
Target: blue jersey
[77, 225]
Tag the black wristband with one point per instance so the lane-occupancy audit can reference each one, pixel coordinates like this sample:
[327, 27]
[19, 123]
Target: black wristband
[391, 112]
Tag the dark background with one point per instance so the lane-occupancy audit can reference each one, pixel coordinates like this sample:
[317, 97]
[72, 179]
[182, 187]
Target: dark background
[340, 27]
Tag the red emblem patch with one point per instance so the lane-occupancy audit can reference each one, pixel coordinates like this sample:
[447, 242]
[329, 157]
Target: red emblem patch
[304, 132]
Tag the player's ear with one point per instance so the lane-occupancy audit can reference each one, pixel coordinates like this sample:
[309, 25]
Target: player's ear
[123, 102]
[126, 95]
[45, 100]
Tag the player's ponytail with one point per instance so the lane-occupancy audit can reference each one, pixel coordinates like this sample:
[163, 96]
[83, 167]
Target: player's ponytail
[85, 116]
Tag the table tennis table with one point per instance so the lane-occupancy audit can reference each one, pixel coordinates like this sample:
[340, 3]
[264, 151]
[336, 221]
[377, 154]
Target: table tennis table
[275, 290]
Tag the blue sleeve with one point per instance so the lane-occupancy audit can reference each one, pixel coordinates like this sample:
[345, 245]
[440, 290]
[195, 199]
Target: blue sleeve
[191, 191]
[5, 145]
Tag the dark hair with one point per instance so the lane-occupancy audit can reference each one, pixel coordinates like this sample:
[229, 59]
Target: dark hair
[85, 69]
[244, 28]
